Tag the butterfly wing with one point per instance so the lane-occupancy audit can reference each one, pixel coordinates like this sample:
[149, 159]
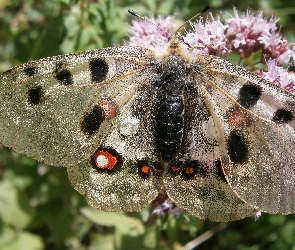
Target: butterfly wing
[52, 109]
[133, 177]
[195, 181]
[79, 110]
[258, 130]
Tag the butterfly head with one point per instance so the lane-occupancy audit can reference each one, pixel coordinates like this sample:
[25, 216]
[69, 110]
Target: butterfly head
[176, 47]
[176, 44]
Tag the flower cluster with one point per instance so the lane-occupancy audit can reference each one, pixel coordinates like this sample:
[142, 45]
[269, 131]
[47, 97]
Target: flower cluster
[278, 75]
[245, 35]
[163, 205]
[146, 34]
[208, 37]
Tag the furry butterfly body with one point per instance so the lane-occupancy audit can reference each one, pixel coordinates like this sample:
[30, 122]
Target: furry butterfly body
[128, 122]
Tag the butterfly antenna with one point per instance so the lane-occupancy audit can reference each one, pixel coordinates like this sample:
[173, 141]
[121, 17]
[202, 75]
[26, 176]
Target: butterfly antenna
[135, 14]
[203, 11]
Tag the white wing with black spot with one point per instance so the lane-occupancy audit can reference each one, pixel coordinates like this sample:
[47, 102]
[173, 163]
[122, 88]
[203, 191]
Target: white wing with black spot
[258, 129]
[51, 109]
[195, 180]
[124, 173]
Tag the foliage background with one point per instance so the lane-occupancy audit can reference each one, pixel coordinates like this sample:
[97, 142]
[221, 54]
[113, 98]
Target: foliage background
[38, 207]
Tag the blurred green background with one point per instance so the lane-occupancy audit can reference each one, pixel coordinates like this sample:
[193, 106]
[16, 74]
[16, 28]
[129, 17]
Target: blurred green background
[39, 209]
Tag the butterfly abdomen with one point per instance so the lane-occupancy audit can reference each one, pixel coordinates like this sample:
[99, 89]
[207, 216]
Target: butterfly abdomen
[169, 126]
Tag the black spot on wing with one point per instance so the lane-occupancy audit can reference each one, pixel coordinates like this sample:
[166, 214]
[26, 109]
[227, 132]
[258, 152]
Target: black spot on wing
[282, 116]
[99, 69]
[249, 94]
[237, 147]
[30, 71]
[92, 121]
[35, 95]
[64, 77]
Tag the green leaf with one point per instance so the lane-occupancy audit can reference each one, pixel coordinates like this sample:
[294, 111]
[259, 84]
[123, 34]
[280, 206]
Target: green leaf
[14, 208]
[123, 223]
[12, 240]
[103, 242]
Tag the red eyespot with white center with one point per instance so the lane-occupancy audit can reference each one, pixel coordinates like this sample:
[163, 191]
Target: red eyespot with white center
[107, 159]
[108, 108]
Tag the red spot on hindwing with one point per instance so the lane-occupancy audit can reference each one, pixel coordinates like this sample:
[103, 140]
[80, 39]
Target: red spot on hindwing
[145, 169]
[189, 170]
[175, 168]
[159, 170]
[105, 160]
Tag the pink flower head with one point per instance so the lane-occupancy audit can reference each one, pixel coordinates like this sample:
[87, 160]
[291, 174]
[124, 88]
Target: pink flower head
[273, 45]
[287, 57]
[208, 37]
[143, 33]
[244, 34]
[278, 75]
[163, 205]
[250, 33]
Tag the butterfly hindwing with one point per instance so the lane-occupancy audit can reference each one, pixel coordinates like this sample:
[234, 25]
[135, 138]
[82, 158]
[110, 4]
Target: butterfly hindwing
[51, 109]
[194, 180]
[124, 188]
[258, 135]
[135, 179]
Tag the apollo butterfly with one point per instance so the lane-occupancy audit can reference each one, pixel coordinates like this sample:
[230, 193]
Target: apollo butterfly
[128, 122]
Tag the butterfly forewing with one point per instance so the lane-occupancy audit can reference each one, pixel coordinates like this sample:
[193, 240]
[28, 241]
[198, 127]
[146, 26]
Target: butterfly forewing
[48, 106]
[257, 121]
[251, 92]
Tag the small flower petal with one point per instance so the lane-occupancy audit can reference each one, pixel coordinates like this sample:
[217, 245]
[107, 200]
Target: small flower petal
[257, 215]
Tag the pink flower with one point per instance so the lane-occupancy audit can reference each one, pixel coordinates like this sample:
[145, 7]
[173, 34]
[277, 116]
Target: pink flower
[278, 75]
[208, 37]
[250, 33]
[163, 205]
[288, 57]
[143, 33]
[245, 34]
[273, 45]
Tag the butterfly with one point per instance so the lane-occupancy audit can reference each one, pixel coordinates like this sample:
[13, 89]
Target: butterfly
[128, 122]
